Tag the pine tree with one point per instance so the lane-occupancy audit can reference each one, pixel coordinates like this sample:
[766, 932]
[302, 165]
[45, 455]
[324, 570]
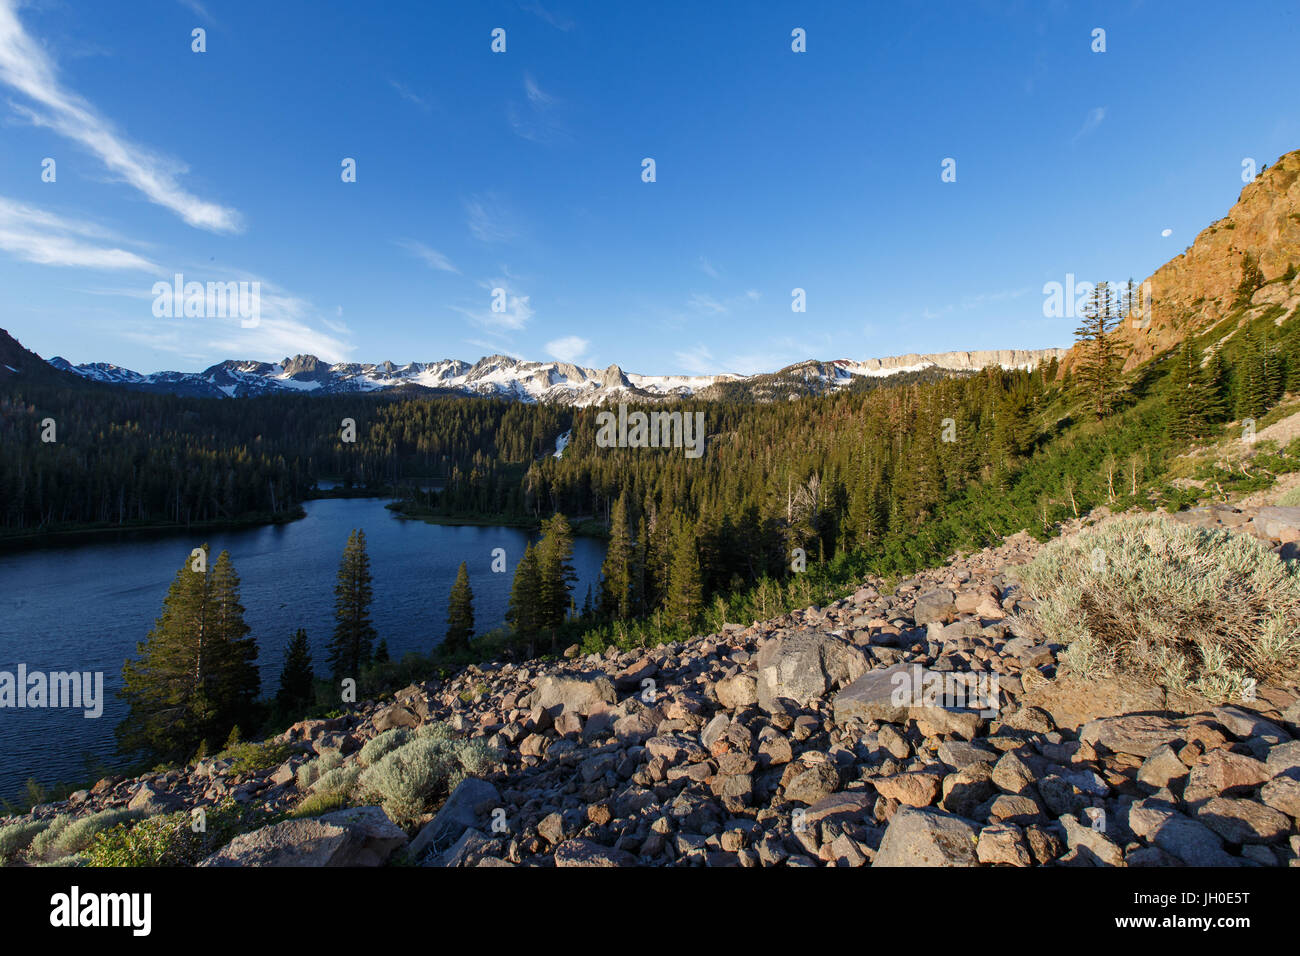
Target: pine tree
[1184, 421]
[617, 571]
[297, 679]
[523, 611]
[1251, 279]
[194, 679]
[233, 681]
[460, 613]
[555, 574]
[350, 648]
[685, 588]
[1098, 358]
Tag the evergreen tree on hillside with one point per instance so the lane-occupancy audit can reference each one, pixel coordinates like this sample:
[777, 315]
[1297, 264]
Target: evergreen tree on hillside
[234, 680]
[555, 574]
[1251, 279]
[460, 612]
[193, 680]
[523, 611]
[1193, 400]
[685, 587]
[1098, 367]
[297, 679]
[354, 635]
[618, 571]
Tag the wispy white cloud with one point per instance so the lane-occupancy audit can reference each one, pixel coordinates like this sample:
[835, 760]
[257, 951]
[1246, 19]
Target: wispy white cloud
[287, 327]
[697, 360]
[490, 219]
[406, 93]
[431, 257]
[37, 235]
[705, 304]
[535, 122]
[557, 20]
[25, 68]
[1096, 116]
[515, 315]
[570, 348]
[779, 353]
[198, 9]
[536, 95]
[707, 268]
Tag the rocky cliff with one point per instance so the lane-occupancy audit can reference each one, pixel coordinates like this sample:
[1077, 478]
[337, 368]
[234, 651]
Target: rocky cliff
[1198, 288]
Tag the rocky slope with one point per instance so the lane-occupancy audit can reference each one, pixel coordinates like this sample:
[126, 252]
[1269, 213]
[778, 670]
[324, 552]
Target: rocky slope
[784, 743]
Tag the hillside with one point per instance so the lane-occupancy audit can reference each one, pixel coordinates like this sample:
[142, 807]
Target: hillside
[782, 742]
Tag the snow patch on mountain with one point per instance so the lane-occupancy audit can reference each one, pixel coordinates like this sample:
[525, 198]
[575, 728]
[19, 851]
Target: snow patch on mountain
[501, 376]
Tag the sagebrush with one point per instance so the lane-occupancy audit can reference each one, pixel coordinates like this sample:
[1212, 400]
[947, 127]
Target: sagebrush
[1184, 607]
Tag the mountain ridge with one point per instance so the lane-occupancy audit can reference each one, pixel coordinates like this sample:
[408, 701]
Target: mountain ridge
[526, 380]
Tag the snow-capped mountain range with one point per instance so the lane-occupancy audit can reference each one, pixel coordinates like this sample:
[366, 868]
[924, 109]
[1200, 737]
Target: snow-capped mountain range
[505, 377]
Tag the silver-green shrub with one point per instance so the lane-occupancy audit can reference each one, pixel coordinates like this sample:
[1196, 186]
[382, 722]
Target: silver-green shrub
[1186, 608]
[407, 780]
[310, 772]
[18, 837]
[378, 747]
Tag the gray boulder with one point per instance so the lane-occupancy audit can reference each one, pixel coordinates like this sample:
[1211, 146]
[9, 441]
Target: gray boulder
[359, 836]
[804, 665]
[457, 815]
[927, 837]
[578, 695]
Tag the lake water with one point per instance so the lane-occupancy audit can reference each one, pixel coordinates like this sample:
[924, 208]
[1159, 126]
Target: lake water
[85, 607]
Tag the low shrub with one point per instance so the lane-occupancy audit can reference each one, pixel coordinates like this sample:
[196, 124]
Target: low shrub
[319, 803]
[309, 773]
[69, 836]
[429, 765]
[251, 757]
[377, 747]
[169, 839]
[1180, 606]
[17, 837]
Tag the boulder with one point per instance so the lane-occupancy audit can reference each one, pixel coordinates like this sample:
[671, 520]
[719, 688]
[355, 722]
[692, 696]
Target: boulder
[927, 837]
[149, 801]
[1160, 823]
[394, 716]
[1278, 523]
[1243, 821]
[358, 836]
[578, 695]
[805, 665]
[938, 605]
[457, 815]
[588, 853]
[737, 691]
[1136, 734]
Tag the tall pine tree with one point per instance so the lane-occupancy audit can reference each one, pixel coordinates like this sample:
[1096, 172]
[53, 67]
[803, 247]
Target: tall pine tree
[523, 611]
[1098, 366]
[685, 587]
[194, 680]
[460, 613]
[354, 635]
[555, 575]
[619, 571]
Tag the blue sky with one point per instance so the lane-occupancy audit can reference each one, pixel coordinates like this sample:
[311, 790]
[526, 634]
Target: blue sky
[522, 171]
